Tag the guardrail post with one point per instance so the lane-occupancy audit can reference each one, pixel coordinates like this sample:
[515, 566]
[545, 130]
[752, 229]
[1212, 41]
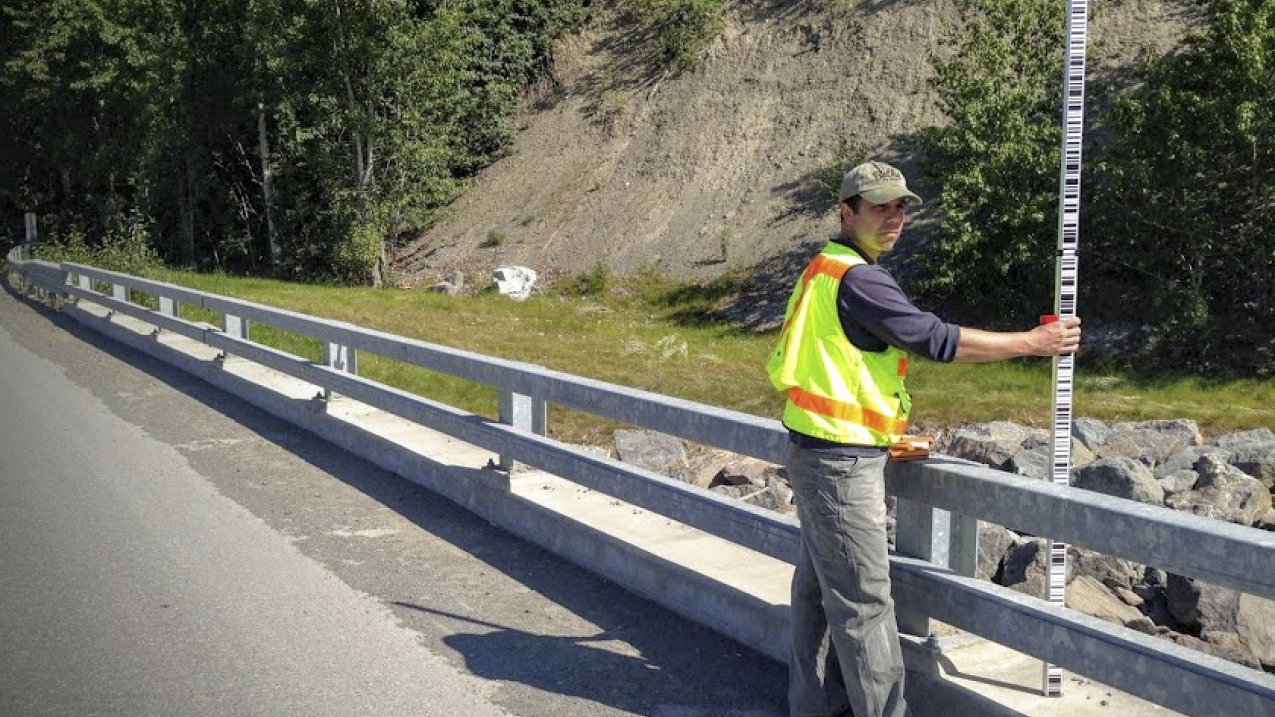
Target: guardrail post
[168, 306]
[231, 325]
[85, 282]
[947, 539]
[526, 413]
[119, 292]
[235, 326]
[341, 358]
[32, 234]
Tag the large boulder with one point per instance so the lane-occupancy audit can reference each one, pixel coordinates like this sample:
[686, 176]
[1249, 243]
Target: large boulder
[515, 282]
[1121, 477]
[1225, 617]
[1177, 481]
[1025, 567]
[744, 471]
[994, 541]
[1255, 624]
[1034, 463]
[1151, 442]
[1257, 435]
[775, 495]
[1115, 573]
[1186, 458]
[1223, 492]
[1232, 653]
[1255, 459]
[991, 444]
[1088, 595]
[452, 285]
[1201, 606]
[654, 451]
[1091, 432]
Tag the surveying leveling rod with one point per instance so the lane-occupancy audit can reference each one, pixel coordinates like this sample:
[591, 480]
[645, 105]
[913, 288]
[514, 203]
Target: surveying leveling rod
[1065, 293]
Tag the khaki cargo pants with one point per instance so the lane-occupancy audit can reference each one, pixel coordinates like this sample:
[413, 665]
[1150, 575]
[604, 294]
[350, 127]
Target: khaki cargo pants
[845, 643]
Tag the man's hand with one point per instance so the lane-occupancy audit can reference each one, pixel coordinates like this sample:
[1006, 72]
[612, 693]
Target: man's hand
[1054, 338]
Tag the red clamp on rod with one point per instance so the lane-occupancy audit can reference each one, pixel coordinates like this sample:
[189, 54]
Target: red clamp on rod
[1048, 318]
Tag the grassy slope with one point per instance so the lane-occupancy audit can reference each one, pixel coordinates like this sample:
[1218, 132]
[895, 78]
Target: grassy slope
[630, 338]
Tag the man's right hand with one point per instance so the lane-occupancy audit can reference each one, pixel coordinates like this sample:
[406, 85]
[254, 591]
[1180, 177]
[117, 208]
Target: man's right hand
[1054, 338]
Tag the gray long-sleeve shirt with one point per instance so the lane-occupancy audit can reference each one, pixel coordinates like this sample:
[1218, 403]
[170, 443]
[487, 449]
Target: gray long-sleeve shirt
[874, 312]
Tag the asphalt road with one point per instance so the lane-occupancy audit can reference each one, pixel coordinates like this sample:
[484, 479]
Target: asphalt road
[166, 549]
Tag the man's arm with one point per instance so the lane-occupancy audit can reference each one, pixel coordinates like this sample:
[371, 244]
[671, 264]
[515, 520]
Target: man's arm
[1052, 339]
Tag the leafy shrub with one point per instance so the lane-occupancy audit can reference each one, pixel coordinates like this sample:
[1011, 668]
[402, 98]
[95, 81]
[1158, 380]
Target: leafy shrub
[683, 28]
[591, 283]
[996, 164]
[126, 247]
[1185, 211]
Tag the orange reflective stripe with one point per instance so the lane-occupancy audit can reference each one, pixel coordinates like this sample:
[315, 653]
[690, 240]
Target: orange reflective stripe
[819, 265]
[903, 365]
[843, 411]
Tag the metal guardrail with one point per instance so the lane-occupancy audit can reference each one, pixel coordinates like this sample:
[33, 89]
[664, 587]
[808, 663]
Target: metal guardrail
[941, 499]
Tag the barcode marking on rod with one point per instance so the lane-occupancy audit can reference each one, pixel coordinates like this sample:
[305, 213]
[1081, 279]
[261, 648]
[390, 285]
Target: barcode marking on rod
[1065, 293]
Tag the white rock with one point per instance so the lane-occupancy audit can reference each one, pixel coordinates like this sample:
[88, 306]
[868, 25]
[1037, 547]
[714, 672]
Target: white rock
[515, 282]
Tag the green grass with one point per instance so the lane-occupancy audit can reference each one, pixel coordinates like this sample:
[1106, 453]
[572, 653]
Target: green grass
[640, 334]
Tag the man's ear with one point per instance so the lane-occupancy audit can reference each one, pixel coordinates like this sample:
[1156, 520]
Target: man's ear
[847, 213]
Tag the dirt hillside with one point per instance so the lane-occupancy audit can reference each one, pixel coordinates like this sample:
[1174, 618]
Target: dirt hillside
[699, 172]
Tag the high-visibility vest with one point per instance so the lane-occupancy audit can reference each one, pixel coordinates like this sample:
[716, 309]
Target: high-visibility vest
[836, 391]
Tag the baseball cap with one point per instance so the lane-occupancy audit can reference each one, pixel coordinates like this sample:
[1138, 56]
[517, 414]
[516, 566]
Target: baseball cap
[876, 182]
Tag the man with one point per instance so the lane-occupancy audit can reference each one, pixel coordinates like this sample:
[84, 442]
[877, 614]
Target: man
[841, 359]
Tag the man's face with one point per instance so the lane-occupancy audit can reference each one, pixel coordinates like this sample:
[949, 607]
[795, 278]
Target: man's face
[875, 227]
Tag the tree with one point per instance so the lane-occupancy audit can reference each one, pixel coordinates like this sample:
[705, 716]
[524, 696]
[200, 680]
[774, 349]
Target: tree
[1185, 207]
[996, 163]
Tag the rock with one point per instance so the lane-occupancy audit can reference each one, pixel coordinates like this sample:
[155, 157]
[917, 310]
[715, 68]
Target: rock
[991, 444]
[1107, 569]
[702, 468]
[994, 541]
[734, 491]
[1223, 492]
[1034, 463]
[1151, 442]
[444, 287]
[1037, 439]
[1143, 625]
[651, 450]
[1087, 595]
[515, 282]
[1121, 477]
[1025, 567]
[781, 492]
[456, 279]
[1091, 432]
[766, 497]
[1038, 462]
[1234, 654]
[1185, 459]
[1127, 596]
[1266, 522]
[1257, 435]
[1255, 625]
[1255, 459]
[1201, 606]
[1081, 456]
[743, 471]
[1155, 577]
[1178, 481]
